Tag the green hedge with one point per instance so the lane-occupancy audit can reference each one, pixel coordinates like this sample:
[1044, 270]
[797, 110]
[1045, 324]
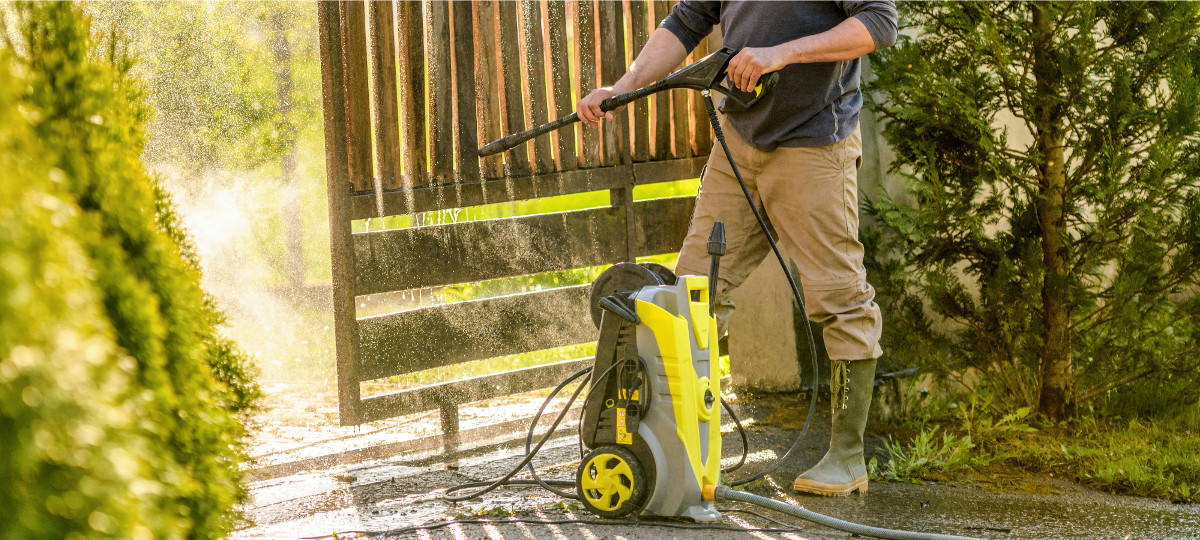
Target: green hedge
[121, 407]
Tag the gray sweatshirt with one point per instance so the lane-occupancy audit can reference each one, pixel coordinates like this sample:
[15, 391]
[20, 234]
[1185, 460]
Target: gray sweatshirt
[814, 104]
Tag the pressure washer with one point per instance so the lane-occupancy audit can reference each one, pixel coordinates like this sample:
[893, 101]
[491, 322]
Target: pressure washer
[650, 430]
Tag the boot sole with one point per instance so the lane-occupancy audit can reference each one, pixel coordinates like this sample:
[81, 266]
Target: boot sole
[831, 490]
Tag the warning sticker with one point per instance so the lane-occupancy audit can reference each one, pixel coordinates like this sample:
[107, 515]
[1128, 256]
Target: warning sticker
[623, 436]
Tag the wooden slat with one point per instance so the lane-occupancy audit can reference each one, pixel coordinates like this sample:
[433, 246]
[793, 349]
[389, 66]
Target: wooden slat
[387, 120]
[410, 26]
[560, 75]
[680, 122]
[516, 160]
[467, 331]
[535, 83]
[701, 127]
[438, 71]
[468, 390]
[661, 101]
[467, 141]
[662, 224]
[358, 106]
[445, 254]
[614, 135]
[428, 198]
[640, 115]
[585, 46]
[338, 174]
[487, 84]
[652, 172]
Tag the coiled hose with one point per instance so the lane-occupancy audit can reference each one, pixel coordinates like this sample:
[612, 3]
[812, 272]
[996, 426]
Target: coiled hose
[724, 493]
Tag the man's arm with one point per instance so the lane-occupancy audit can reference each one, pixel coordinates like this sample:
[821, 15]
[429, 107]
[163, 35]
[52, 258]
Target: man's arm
[688, 23]
[869, 26]
[663, 51]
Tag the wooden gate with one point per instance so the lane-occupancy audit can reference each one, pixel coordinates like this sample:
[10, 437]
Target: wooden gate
[410, 91]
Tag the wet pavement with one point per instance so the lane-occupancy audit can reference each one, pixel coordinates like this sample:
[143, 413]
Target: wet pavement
[389, 495]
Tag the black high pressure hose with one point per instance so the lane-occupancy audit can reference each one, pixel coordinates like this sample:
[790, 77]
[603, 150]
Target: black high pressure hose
[787, 271]
[506, 480]
[726, 492]
[527, 460]
[720, 492]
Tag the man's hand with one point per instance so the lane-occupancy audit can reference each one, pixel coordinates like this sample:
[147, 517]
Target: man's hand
[752, 62]
[589, 107]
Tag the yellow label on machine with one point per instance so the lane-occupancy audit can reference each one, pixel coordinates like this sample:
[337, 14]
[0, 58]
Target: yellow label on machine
[623, 435]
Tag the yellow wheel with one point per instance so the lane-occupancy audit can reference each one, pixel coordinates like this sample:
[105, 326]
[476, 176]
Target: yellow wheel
[610, 482]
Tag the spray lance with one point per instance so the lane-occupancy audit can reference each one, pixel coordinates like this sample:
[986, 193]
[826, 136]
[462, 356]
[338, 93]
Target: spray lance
[703, 75]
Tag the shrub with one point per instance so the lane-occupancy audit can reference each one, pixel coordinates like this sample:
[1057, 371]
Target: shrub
[119, 400]
[1050, 237]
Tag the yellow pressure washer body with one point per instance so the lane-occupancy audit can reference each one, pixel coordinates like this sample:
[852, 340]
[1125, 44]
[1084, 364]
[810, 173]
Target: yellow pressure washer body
[652, 418]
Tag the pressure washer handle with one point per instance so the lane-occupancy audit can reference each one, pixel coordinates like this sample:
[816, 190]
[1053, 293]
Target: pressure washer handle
[610, 104]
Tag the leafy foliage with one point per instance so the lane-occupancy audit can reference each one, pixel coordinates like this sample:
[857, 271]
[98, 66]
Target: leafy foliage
[119, 401]
[1155, 458]
[1050, 233]
[926, 454]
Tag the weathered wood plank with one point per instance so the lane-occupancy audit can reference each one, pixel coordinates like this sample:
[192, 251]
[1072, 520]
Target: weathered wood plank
[585, 46]
[560, 75]
[652, 172]
[468, 390]
[338, 174]
[614, 135]
[446, 254]
[680, 122]
[661, 101]
[487, 84]
[535, 83]
[358, 106]
[701, 128]
[466, 331]
[516, 161]
[438, 71]
[427, 198]
[410, 32]
[662, 224]
[466, 135]
[387, 119]
[640, 116]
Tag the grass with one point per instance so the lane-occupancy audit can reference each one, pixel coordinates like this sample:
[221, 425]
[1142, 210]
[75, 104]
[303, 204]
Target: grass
[1145, 457]
[1148, 457]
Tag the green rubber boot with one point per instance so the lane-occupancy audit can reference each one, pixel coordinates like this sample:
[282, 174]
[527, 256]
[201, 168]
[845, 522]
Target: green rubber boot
[843, 469]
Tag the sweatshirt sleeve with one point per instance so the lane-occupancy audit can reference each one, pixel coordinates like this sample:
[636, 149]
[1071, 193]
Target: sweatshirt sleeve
[879, 16]
[692, 21]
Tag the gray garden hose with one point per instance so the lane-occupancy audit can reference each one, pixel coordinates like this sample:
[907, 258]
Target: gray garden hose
[724, 493]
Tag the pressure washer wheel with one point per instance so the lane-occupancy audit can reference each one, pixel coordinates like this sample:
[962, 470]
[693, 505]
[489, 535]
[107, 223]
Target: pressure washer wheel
[611, 482]
[626, 276]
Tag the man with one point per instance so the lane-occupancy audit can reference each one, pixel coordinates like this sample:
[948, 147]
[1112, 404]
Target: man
[799, 151]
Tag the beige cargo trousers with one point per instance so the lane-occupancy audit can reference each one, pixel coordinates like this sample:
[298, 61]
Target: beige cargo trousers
[810, 197]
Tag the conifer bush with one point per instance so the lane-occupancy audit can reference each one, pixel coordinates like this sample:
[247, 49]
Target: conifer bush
[121, 406]
[1050, 234]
